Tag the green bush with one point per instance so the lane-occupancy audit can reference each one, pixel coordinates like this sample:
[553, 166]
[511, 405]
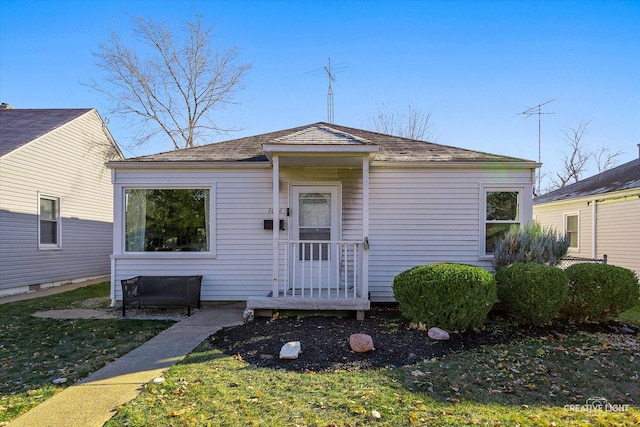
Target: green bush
[530, 244]
[532, 293]
[598, 292]
[449, 296]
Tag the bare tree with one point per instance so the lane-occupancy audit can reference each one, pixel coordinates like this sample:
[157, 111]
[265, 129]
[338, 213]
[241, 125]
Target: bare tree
[412, 124]
[605, 159]
[576, 162]
[173, 89]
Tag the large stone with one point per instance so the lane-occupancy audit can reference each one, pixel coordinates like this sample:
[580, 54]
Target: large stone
[290, 350]
[438, 334]
[361, 343]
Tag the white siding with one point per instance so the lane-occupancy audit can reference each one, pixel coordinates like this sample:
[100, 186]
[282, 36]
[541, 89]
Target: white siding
[242, 265]
[425, 216]
[67, 163]
[417, 216]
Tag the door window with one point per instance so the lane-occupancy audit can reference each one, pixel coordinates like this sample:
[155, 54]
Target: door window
[314, 223]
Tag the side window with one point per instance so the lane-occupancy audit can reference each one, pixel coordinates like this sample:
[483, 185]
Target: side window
[502, 210]
[49, 224]
[571, 229]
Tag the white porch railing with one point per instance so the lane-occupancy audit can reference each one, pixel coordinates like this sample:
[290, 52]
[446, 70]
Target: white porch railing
[320, 269]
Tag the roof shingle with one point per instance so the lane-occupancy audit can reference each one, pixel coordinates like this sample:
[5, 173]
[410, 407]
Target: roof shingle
[21, 126]
[391, 148]
[623, 177]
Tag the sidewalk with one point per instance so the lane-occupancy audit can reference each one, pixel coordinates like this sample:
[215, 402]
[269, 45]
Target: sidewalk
[93, 401]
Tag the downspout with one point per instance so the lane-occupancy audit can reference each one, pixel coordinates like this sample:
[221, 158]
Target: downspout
[594, 229]
[115, 228]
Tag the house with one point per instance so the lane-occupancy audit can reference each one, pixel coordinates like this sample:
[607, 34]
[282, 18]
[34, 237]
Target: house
[600, 214]
[315, 217]
[56, 197]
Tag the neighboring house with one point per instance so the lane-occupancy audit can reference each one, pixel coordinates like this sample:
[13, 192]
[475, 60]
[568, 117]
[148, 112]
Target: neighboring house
[601, 215]
[56, 197]
[351, 208]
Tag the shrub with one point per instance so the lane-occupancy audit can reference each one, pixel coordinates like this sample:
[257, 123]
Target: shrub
[530, 244]
[532, 293]
[449, 296]
[599, 291]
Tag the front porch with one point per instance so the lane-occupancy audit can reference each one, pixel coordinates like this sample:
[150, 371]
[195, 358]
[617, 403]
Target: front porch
[320, 262]
[318, 275]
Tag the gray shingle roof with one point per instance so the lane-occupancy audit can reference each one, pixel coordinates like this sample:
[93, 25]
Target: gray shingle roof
[21, 126]
[391, 148]
[623, 177]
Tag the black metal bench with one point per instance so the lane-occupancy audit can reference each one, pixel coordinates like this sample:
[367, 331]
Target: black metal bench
[161, 291]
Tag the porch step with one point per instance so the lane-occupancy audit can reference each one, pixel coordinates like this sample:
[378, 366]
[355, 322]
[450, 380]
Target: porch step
[283, 303]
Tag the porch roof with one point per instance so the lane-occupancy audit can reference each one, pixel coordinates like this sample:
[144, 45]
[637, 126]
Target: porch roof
[325, 137]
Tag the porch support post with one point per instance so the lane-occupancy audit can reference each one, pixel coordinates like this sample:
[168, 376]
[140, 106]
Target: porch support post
[276, 221]
[365, 226]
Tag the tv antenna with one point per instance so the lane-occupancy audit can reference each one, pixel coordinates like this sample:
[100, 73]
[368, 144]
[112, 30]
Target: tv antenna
[530, 111]
[329, 93]
[331, 75]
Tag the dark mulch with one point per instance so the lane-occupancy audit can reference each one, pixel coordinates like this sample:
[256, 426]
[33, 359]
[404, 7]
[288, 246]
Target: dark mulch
[325, 340]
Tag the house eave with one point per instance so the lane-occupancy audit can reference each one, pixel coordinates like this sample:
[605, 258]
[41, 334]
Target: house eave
[599, 198]
[187, 165]
[456, 164]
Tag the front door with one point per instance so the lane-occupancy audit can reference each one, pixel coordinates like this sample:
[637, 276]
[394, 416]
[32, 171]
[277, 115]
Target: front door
[315, 224]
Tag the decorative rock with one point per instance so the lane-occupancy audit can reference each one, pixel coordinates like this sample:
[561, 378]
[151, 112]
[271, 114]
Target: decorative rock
[59, 381]
[361, 343]
[248, 315]
[438, 334]
[290, 350]
[158, 380]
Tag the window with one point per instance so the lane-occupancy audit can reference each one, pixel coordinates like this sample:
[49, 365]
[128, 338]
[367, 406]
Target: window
[571, 229]
[167, 220]
[314, 223]
[49, 222]
[502, 210]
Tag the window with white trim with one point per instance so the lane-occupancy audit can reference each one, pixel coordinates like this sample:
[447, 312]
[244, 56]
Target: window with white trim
[502, 210]
[167, 220]
[571, 229]
[49, 224]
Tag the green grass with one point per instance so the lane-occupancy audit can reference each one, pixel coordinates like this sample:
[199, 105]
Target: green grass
[35, 351]
[528, 382]
[631, 316]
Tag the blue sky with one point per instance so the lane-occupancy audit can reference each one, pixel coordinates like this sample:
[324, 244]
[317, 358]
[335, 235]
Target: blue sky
[474, 65]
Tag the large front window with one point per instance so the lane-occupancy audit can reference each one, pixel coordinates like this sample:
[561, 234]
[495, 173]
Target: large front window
[502, 210]
[169, 220]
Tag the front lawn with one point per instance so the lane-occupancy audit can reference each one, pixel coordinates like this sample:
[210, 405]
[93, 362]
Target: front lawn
[552, 380]
[35, 351]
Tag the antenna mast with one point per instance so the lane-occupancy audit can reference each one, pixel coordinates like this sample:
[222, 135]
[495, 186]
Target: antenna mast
[529, 112]
[329, 93]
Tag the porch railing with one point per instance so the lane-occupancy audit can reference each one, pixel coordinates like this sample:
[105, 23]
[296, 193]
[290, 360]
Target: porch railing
[320, 269]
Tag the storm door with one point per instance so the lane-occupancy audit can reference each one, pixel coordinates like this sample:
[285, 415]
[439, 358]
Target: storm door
[315, 237]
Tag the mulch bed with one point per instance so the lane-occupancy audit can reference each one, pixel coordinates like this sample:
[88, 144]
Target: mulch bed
[325, 340]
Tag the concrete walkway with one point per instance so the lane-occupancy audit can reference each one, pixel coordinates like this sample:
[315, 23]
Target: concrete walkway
[93, 401]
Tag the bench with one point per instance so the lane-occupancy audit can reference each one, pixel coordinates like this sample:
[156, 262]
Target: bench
[161, 291]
